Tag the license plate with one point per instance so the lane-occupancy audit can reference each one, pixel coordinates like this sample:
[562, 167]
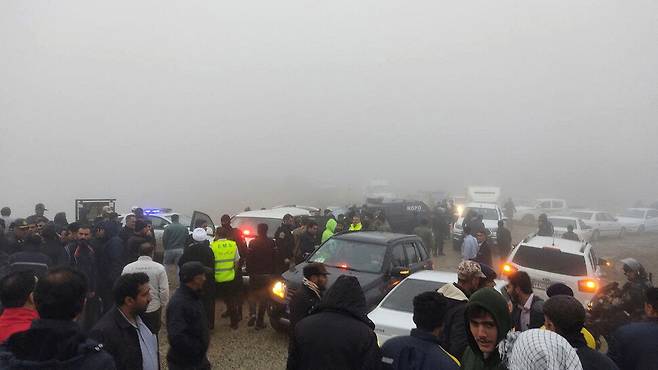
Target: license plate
[541, 284]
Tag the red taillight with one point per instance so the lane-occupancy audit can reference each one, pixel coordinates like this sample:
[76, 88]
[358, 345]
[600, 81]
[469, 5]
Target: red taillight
[246, 232]
[508, 269]
[343, 265]
[588, 286]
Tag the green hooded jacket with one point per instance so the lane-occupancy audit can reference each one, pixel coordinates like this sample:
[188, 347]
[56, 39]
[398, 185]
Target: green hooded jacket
[493, 302]
[329, 230]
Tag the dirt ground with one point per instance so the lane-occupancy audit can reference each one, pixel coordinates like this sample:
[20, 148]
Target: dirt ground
[247, 348]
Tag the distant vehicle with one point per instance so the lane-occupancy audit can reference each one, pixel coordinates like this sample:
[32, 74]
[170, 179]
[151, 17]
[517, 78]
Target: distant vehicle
[581, 229]
[378, 189]
[312, 210]
[483, 194]
[529, 215]
[393, 317]
[248, 221]
[402, 215]
[88, 210]
[491, 214]
[602, 223]
[378, 260]
[639, 219]
[553, 260]
[160, 218]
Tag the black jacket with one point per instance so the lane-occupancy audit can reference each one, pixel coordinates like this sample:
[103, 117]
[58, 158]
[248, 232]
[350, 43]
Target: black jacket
[418, 351]
[545, 229]
[301, 304]
[126, 233]
[54, 344]
[338, 335]
[30, 261]
[260, 258]
[504, 241]
[109, 258]
[536, 314]
[14, 244]
[635, 346]
[285, 245]
[589, 358]
[55, 251]
[454, 337]
[187, 329]
[307, 244]
[484, 254]
[120, 339]
[131, 249]
[82, 257]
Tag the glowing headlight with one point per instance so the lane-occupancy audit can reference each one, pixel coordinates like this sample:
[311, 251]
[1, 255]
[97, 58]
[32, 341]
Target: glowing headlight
[460, 210]
[279, 289]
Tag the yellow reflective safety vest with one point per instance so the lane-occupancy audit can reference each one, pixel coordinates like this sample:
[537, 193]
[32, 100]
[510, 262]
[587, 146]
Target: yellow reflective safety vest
[225, 252]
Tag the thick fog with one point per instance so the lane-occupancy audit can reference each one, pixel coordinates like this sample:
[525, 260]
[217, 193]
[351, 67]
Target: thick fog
[219, 105]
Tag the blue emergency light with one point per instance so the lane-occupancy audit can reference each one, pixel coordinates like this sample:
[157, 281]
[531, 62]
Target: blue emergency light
[156, 211]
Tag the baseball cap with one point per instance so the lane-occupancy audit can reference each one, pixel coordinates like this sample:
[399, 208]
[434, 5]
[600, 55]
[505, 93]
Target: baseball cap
[199, 234]
[191, 269]
[40, 206]
[469, 269]
[315, 268]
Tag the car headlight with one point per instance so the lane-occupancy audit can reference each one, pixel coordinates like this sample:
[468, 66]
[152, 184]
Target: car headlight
[460, 210]
[279, 289]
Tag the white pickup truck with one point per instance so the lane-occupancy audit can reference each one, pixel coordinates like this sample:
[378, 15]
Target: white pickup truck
[529, 215]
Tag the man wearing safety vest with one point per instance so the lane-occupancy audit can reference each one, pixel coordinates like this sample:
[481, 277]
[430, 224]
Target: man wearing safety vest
[226, 261]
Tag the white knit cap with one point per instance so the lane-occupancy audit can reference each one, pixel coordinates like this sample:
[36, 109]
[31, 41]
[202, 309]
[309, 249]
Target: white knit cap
[199, 234]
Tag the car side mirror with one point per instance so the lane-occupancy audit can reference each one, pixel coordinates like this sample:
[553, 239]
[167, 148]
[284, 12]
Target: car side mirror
[400, 272]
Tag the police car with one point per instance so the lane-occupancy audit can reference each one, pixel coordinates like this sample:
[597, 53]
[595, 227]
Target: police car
[550, 260]
[160, 218]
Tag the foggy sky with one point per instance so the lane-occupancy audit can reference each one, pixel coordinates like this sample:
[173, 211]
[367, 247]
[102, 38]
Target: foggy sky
[217, 105]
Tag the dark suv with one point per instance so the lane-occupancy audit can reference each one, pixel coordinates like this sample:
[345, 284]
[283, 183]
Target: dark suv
[379, 260]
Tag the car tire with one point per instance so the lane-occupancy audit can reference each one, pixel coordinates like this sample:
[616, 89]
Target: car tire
[277, 325]
[528, 219]
[622, 233]
[596, 235]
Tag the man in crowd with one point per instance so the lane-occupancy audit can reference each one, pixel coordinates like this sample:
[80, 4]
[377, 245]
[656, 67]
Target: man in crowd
[235, 234]
[131, 250]
[488, 321]
[470, 245]
[503, 240]
[329, 230]
[570, 235]
[5, 216]
[17, 298]
[82, 257]
[128, 230]
[30, 258]
[356, 224]
[158, 284]
[226, 261]
[109, 260]
[509, 209]
[557, 289]
[53, 247]
[122, 331]
[308, 241]
[285, 244]
[173, 240]
[484, 254]
[564, 315]
[56, 338]
[537, 349]
[16, 237]
[260, 267]
[200, 251]
[422, 346]
[633, 346]
[187, 325]
[527, 312]
[440, 229]
[308, 296]
[544, 227]
[424, 232]
[338, 335]
[39, 210]
[453, 335]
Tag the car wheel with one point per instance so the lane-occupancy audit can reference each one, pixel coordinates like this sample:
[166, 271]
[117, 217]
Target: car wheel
[277, 325]
[596, 235]
[622, 232]
[528, 219]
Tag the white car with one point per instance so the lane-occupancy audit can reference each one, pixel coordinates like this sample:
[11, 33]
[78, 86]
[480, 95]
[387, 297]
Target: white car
[581, 229]
[552, 260]
[248, 221]
[160, 218]
[602, 223]
[529, 215]
[639, 219]
[393, 316]
[491, 214]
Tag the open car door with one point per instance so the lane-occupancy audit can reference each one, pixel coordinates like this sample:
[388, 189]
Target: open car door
[198, 215]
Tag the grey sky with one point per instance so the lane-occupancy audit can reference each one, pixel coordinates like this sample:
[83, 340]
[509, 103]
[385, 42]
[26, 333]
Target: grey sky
[218, 105]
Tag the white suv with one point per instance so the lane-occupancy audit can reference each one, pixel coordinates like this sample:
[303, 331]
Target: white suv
[551, 260]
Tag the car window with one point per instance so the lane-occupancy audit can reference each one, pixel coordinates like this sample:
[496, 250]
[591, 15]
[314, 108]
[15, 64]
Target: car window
[487, 213]
[600, 217]
[545, 204]
[550, 260]
[351, 255]
[583, 215]
[157, 222]
[402, 298]
[562, 222]
[412, 256]
[421, 251]
[652, 214]
[398, 259]
[558, 204]
[633, 213]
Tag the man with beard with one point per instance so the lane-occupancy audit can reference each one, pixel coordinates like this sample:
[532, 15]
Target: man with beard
[285, 244]
[131, 250]
[528, 310]
[187, 326]
[82, 257]
[307, 241]
[121, 330]
[313, 284]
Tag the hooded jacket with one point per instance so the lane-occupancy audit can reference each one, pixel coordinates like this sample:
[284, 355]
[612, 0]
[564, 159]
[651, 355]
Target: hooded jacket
[493, 302]
[338, 335]
[419, 351]
[54, 344]
[453, 337]
[329, 230]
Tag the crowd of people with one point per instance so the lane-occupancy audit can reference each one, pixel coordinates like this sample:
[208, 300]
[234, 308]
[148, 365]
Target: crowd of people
[80, 296]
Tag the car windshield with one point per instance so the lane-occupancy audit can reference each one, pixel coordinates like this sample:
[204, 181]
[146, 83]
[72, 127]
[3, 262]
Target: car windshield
[351, 255]
[401, 299]
[583, 215]
[633, 213]
[487, 213]
[249, 225]
[550, 260]
[562, 222]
